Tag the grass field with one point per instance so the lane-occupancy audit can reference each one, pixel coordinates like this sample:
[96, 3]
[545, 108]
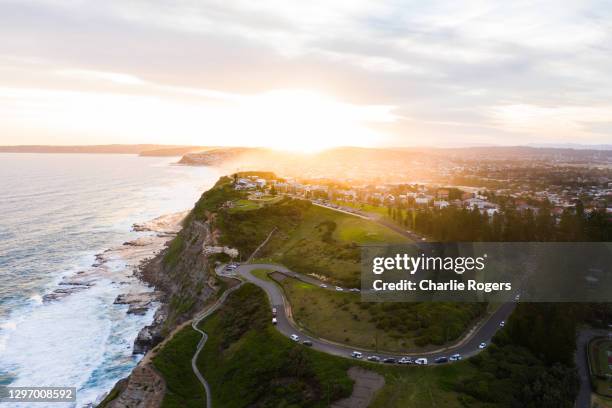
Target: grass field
[426, 387]
[248, 363]
[337, 316]
[343, 318]
[600, 356]
[174, 363]
[326, 243]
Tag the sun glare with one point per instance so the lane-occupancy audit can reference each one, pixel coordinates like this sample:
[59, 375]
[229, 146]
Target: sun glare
[295, 120]
[307, 122]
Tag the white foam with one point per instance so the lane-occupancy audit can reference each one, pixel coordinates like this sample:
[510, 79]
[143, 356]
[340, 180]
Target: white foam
[63, 343]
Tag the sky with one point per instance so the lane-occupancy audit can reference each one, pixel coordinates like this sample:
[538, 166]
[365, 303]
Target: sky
[305, 75]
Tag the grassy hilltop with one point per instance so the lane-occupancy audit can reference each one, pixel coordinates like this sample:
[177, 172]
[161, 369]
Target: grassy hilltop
[249, 364]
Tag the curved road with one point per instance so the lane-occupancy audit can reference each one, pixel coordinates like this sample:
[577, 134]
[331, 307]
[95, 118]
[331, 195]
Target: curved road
[467, 347]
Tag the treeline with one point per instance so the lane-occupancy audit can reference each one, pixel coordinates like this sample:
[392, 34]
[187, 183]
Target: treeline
[507, 225]
[530, 362]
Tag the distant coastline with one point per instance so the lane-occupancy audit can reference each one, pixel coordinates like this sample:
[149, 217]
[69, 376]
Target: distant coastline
[139, 149]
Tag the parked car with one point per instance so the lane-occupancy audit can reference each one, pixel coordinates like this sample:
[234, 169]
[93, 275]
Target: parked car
[482, 345]
[502, 323]
[307, 343]
[274, 320]
[356, 354]
[295, 337]
[455, 357]
[441, 360]
[405, 360]
[339, 289]
[389, 360]
[374, 358]
[421, 361]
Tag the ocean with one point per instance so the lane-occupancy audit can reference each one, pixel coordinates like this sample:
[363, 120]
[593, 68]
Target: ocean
[57, 211]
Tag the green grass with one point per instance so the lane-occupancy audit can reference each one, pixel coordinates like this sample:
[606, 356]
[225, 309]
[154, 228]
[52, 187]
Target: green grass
[248, 363]
[325, 243]
[425, 387]
[174, 363]
[343, 318]
[244, 205]
[261, 274]
[368, 208]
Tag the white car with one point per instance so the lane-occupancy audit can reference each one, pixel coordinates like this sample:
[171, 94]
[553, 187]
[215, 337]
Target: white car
[517, 297]
[405, 360]
[294, 337]
[323, 285]
[354, 290]
[356, 354]
[274, 320]
[339, 289]
[502, 323]
[374, 358]
[482, 345]
[421, 361]
[455, 357]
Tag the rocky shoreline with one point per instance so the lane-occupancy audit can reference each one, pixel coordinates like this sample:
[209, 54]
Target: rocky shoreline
[123, 265]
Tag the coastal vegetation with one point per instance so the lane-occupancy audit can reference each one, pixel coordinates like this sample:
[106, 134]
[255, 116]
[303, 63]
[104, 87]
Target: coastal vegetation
[248, 363]
[376, 326]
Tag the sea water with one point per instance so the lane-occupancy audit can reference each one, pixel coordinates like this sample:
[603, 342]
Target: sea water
[56, 212]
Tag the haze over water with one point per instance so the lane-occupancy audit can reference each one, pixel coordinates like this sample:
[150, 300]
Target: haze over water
[56, 212]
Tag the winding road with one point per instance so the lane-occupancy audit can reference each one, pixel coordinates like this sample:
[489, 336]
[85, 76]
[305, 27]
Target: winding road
[194, 324]
[467, 346]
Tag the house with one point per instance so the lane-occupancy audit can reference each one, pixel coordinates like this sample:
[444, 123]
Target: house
[244, 184]
[440, 204]
[421, 200]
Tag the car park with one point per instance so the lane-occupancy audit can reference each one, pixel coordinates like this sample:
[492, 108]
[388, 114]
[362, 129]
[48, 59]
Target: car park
[307, 343]
[455, 357]
[356, 354]
[374, 358]
[390, 360]
[482, 345]
[405, 360]
[421, 361]
[441, 360]
[295, 337]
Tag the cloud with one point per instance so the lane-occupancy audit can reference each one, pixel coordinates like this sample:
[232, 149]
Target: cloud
[455, 71]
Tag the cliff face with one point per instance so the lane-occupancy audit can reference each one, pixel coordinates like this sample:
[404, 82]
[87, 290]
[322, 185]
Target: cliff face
[184, 273]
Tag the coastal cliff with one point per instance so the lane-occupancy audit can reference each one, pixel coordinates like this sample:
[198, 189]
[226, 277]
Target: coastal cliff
[184, 274]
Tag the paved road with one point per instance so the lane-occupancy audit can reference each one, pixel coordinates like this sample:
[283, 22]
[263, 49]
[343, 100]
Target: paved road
[584, 395]
[467, 347]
